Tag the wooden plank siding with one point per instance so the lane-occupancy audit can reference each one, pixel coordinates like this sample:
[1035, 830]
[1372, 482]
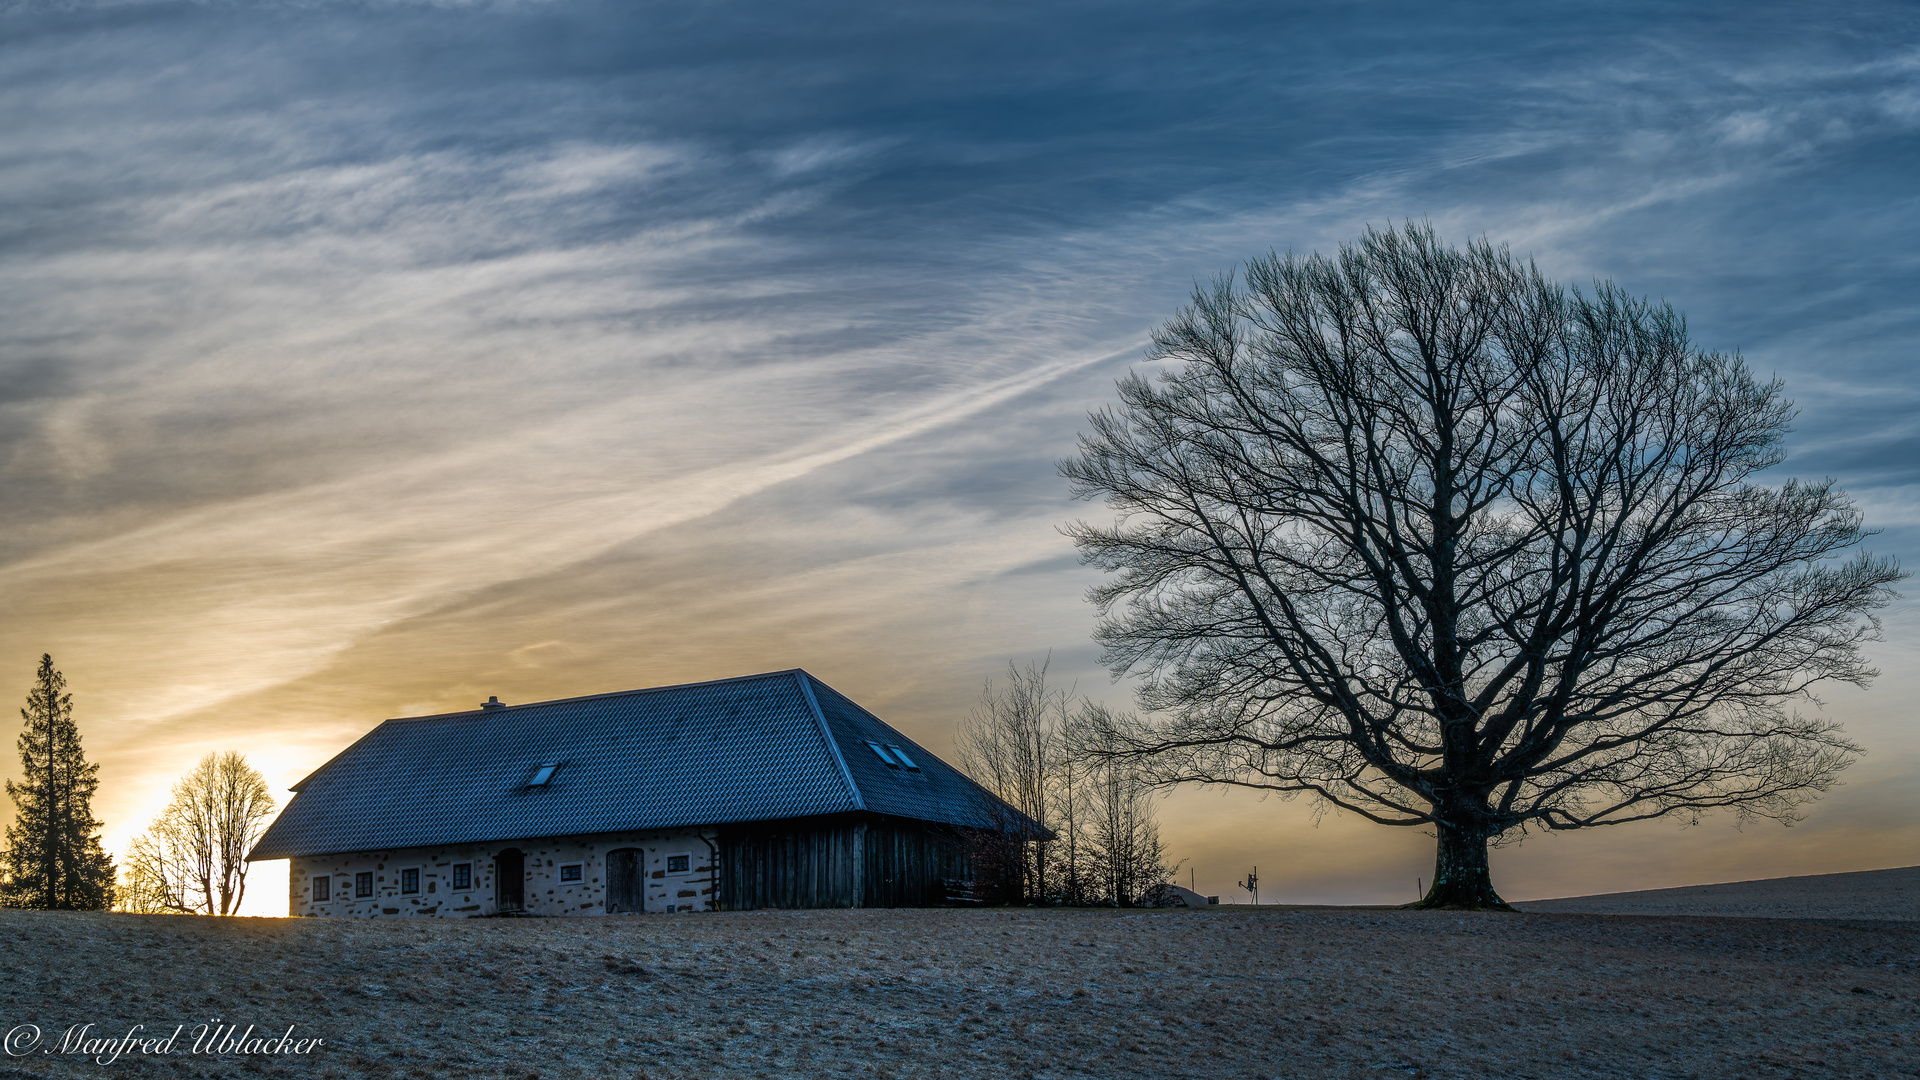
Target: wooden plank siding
[790, 864]
[908, 863]
[856, 860]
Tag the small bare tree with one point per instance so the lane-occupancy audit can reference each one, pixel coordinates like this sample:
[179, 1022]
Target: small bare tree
[1074, 880]
[193, 858]
[156, 877]
[1123, 854]
[1029, 744]
[1447, 545]
[1010, 743]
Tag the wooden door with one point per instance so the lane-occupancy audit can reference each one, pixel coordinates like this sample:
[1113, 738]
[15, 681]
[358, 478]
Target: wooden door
[626, 880]
[509, 880]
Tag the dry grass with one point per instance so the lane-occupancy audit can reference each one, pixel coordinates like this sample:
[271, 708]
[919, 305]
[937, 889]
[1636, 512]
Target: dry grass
[1235, 992]
[1864, 894]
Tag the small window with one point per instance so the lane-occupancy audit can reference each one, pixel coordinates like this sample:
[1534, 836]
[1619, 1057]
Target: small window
[410, 880]
[570, 872]
[881, 753]
[902, 755]
[543, 774]
[322, 888]
[679, 864]
[463, 875]
[363, 883]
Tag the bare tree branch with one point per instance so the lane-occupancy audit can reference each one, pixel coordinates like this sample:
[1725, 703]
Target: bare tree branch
[193, 858]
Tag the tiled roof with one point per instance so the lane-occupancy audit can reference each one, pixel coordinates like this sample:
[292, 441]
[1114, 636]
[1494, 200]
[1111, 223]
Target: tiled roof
[757, 748]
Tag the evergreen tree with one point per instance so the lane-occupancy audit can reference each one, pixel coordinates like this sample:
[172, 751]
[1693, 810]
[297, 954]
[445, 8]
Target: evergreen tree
[53, 859]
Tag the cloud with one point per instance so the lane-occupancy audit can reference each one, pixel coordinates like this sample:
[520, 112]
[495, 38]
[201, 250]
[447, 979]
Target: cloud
[292, 578]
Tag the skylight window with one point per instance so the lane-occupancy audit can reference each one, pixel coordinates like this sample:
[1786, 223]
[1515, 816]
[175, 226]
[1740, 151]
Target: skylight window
[543, 774]
[881, 752]
[902, 755]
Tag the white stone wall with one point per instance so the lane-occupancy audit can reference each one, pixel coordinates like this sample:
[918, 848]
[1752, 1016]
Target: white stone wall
[543, 891]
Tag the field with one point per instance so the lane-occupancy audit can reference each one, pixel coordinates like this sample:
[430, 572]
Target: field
[1226, 992]
[1867, 894]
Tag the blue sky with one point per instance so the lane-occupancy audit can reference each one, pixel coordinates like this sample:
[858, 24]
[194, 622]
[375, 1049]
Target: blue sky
[369, 359]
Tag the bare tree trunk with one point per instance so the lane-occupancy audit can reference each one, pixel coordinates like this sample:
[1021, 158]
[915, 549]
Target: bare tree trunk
[1461, 878]
[1073, 885]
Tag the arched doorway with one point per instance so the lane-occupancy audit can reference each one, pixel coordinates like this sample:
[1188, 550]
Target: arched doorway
[626, 880]
[509, 880]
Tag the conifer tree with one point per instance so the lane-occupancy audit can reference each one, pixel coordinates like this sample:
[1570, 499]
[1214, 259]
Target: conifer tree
[53, 859]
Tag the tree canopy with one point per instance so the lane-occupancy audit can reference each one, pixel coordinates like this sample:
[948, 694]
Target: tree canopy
[193, 857]
[1446, 544]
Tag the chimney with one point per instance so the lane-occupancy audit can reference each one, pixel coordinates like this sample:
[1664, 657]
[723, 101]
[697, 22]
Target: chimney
[493, 703]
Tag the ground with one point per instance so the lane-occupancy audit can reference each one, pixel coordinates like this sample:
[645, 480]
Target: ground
[1225, 992]
[1892, 895]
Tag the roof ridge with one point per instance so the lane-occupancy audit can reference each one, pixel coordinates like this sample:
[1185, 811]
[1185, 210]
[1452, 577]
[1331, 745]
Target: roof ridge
[305, 780]
[805, 682]
[503, 707]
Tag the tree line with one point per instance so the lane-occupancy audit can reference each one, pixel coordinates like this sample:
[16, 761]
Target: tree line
[190, 860]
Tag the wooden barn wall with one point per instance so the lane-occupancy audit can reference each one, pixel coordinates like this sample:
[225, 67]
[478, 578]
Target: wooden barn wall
[906, 864]
[789, 867]
[839, 862]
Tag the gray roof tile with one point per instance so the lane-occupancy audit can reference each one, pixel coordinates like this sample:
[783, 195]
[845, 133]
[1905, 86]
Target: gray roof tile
[757, 748]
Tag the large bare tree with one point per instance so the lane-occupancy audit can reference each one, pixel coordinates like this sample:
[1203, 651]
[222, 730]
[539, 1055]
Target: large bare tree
[193, 857]
[1445, 544]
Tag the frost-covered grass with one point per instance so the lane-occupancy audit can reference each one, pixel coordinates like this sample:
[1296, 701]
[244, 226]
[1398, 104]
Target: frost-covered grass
[1231, 992]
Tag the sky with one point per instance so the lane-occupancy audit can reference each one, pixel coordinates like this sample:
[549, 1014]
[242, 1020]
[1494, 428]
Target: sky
[365, 360]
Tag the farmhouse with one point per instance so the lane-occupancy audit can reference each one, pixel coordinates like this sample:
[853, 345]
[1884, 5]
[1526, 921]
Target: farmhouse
[766, 791]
